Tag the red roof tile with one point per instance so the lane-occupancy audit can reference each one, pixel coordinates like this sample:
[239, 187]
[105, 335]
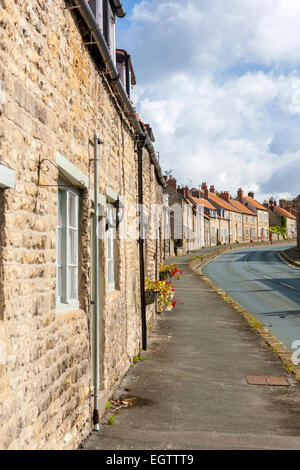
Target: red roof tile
[255, 203]
[218, 200]
[284, 212]
[203, 202]
[242, 208]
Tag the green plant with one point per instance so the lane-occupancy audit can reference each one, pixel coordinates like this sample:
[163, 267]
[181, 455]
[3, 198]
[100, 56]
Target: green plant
[138, 358]
[278, 229]
[111, 419]
[108, 405]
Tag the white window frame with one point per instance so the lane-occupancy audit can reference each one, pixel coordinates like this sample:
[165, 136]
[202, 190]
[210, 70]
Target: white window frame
[110, 249]
[112, 35]
[64, 299]
[266, 217]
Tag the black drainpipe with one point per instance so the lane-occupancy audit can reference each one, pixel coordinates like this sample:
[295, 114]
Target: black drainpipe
[141, 144]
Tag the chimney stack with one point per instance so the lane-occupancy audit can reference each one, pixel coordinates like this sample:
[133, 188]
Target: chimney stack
[185, 192]
[251, 194]
[240, 195]
[196, 193]
[203, 186]
[225, 195]
[212, 188]
[271, 204]
[282, 203]
[172, 183]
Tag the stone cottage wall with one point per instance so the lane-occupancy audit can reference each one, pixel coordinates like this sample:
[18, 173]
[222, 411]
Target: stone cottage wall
[55, 100]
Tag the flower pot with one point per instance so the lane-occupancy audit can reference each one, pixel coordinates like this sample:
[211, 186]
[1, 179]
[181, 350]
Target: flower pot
[164, 276]
[151, 297]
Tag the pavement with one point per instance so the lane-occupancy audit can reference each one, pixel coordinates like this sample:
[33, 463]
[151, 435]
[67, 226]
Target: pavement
[292, 255]
[191, 392]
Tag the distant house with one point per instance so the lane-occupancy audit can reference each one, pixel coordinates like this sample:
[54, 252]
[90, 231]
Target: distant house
[249, 218]
[226, 214]
[276, 214]
[262, 213]
[211, 218]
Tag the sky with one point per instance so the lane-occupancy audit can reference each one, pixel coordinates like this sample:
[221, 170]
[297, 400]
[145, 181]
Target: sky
[219, 82]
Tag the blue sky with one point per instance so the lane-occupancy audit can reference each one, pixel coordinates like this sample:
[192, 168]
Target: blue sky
[219, 82]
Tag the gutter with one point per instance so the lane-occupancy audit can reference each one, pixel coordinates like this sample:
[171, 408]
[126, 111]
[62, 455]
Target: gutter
[117, 8]
[113, 75]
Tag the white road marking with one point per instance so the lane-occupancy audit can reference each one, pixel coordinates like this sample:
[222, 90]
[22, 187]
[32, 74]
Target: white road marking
[268, 277]
[287, 285]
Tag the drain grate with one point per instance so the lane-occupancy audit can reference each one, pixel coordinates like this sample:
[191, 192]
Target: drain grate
[267, 380]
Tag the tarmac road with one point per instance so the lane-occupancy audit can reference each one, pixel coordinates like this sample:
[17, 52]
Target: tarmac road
[267, 287]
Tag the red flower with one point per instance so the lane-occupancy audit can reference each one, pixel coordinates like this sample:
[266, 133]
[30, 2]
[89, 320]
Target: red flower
[174, 303]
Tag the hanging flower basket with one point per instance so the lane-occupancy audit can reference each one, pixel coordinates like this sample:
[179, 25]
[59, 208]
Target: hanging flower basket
[151, 297]
[163, 276]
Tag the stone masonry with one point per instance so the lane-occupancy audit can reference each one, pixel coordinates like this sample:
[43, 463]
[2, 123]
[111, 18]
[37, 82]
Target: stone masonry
[55, 100]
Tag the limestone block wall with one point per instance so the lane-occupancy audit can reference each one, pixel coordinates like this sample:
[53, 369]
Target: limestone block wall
[55, 100]
[154, 247]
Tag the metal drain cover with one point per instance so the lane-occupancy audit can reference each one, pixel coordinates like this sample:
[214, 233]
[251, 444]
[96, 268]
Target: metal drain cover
[267, 380]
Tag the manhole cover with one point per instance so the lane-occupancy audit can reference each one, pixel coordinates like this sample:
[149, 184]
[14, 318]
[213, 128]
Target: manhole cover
[267, 380]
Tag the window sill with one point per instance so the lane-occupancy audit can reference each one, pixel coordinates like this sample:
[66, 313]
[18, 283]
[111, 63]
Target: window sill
[60, 308]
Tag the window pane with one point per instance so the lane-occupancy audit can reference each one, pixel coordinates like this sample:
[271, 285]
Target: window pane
[73, 246]
[59, 208]
[58, 247]
[72, 283]
[72, 212]
[110, 246]
[58, 282]
[110, 273]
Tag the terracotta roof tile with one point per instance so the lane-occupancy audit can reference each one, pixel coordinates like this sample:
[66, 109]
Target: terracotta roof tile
[284, 212]
[203, 202]
[218, 200]
[242, 208]
[255, 203]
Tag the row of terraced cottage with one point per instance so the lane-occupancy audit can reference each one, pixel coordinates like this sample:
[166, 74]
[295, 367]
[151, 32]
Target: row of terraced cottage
[215, 218]
[76, 165]
[86, 215]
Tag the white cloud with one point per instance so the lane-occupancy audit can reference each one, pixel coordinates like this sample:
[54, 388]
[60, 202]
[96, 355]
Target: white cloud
[218, 82]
